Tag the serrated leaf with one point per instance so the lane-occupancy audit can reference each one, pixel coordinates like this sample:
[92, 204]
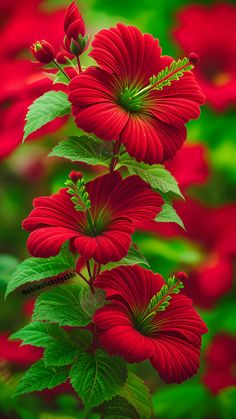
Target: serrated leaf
[137, 394]
[39, 334]
[133, 257]
[45, 109]
[84, 149]
[60, 353]
[65, 305]
[35, 269]
[119, 408]
[169, 215]
[39, 377]
[156, 175]
[97, 377]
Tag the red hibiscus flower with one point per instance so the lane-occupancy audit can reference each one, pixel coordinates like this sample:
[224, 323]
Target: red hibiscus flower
[216, 71]
[116, 205]
[171, 339]
[116, 101]
[221, 359]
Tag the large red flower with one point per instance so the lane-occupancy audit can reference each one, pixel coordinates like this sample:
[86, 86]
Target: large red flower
[171, 339]
[221, 361]
[116, 102]
[216, 71]
[116, 205]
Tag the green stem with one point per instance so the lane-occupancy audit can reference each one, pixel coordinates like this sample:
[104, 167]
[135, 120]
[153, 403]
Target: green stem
[79, 65]
[115, 156]
[61, 69]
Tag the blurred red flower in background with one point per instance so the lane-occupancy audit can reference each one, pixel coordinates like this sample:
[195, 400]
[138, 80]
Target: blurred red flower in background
[17, 355]
[116, 101]
[22, 81]
[221, 363]
[212, 230]
[171, 339]
[215, 44]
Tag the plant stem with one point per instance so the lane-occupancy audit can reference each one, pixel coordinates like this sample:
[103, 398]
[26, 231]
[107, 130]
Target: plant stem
[115, 156]
[61, 69]
[79, 65]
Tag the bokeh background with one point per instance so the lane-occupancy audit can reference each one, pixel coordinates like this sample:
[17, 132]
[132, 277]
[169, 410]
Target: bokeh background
[205, 169]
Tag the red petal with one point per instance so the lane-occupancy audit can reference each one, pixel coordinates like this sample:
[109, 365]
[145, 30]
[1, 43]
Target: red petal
[141, 139]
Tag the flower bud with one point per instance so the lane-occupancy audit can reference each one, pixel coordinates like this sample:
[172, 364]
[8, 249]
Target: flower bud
[43, 52]
[193, 58]
[181, 276]
[75, 40]
[75, 176]
[62, 57]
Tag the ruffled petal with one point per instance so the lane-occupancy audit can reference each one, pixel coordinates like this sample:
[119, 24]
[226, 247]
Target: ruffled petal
[110, 246]
[178, 340]
[132, 197]
[178, 103]
[141, 139]
[134, 285]
[125, 51]
[54, 210]
[47, 241]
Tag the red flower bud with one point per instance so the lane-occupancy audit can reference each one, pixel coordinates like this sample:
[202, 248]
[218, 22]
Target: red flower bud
[75, 176]
[62, 56]
[75, 41]
[193, 58]
[181, 276]
[43, 52]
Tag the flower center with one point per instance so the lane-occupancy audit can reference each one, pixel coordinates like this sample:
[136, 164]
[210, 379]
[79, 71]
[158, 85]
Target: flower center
[96, 222]
[145, 326]
[129, 101]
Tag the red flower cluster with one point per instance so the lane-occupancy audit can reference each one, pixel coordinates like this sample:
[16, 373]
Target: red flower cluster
[116, 101]
[116, 206]
[216, 45]
[171, 339]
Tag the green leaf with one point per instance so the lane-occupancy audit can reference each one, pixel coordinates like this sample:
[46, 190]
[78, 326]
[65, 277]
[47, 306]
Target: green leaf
[39, 377]
[45, 109]
[156, 175]
[84, 149]
[171, 73]
[97, 377]
[60, 353]
[133, 257]
[68, 305]
[39, 334]
[138, 395]
[119, 408]
[35, 269]
[169, 215]
[161, 300]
